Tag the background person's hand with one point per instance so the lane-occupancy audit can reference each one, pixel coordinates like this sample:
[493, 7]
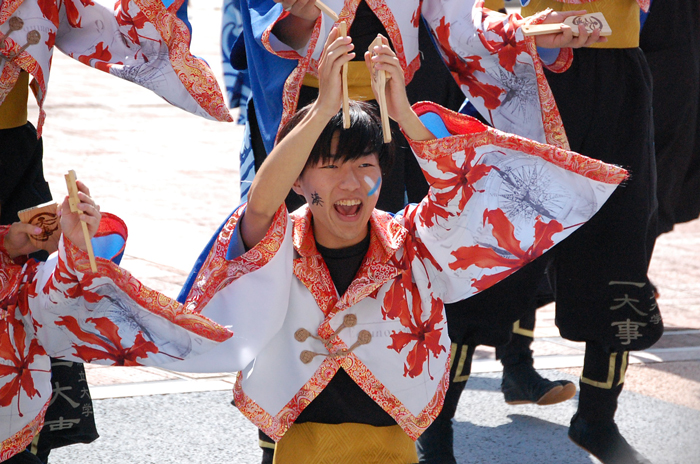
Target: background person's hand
[566, 37]
[305, 9]
[17, 242]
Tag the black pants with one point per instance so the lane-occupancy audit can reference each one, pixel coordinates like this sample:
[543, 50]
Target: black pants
[22, 183]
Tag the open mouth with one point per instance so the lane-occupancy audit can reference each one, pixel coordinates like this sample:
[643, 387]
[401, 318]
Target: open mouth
[348, 208]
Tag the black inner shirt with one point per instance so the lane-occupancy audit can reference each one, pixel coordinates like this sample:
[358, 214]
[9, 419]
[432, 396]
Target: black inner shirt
[343, 400]
[364, 30]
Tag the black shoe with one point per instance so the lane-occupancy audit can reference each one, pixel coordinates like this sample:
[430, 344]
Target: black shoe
[522, 384]
[602, 439]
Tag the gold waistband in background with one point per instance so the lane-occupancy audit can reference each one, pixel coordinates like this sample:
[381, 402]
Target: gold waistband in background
[621, 15]
[13, 111]
[359, 81]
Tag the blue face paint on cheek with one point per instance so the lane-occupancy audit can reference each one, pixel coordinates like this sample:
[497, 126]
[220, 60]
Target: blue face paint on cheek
[373, 186]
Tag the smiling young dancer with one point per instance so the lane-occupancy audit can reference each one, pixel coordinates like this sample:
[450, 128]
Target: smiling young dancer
[361, 395]
[356, 322]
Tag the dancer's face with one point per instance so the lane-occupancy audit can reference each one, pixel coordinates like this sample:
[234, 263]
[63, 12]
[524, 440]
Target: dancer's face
[341, 196]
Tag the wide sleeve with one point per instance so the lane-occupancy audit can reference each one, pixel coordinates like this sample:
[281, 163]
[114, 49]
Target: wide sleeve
[108, 316]
[245, 291]
[497, 201]
[496, 67]
[142, 41]
[145, 42]
[61, 308]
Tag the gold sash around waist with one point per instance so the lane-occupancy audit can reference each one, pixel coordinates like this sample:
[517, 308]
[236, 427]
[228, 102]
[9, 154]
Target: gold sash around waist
[621, 15]
[494, 5]
[13, 111]
[314, 443]
[359, 81]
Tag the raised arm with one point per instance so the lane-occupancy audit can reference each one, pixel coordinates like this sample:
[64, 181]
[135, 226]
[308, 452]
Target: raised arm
[287, 160]
[384, 59]
[295, 30]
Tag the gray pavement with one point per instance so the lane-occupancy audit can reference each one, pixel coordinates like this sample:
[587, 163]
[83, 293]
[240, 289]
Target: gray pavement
[173, 177]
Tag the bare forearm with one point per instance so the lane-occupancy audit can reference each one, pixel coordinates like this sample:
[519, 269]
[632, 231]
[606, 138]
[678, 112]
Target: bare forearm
[414, 127]
[294, 31]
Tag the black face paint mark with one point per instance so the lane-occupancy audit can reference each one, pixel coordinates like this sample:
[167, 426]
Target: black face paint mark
[316, 199]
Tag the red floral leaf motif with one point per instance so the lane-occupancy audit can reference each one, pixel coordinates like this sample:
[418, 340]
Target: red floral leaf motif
[7, 348]
[479, 256]
[435, 315]
[131, 22]
[72, 14]
[49, 8]
[488, 281]
[543, 236]
[400, 340]
[107, 328]
[460, 183]
[51, 41]
[509, 48]
[19, 335]
[66, 283]
[425, 335]
[504, 232]
[414, 246]
[420, 249]
[9, 391]
[397, 306]
[19, 370]
[463, 69]
[415, 18]
[431, 210]
[140, 349]
[415, 360]
[102, 55]
[62, 278]
[110, 342]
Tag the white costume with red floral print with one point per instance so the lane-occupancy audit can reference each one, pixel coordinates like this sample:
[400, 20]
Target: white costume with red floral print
[64, 310]
[496, 67]
[138, 40]
[494, 64]
[497, 202]
[477, 226]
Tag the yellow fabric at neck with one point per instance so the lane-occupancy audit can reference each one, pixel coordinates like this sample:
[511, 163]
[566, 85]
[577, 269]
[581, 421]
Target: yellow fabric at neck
[13, 111]
[359, 82]
[621, 15]
[313, 443]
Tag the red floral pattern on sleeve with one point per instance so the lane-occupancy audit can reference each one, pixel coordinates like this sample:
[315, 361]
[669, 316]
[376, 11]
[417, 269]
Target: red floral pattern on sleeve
[108, 341]
[513, 256]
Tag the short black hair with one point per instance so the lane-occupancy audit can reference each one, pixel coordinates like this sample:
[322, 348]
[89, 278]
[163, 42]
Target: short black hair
[363, 137]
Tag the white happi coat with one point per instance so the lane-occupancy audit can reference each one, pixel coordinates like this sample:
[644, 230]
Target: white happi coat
[496, 67]
[496, 202]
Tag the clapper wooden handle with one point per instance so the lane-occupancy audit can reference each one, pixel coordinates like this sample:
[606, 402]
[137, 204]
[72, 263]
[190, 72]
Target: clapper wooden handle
[380, 77]
[73, 201]
[346, 101]
[326, 9]
[591, 21]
